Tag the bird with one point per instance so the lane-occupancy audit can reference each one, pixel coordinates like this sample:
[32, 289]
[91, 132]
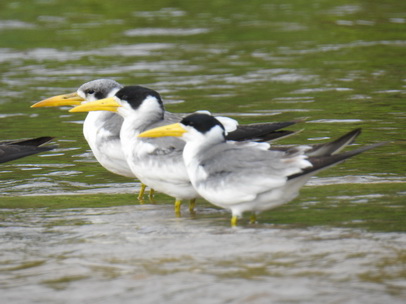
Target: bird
[158, 163]
[101, 129]
[244, 177]
[15, 149]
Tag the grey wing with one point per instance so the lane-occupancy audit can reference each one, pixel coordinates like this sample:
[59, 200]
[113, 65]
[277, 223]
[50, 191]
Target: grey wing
[165, 145]
[246, 171]
[170, 118]
[112, 122]
[164, 158]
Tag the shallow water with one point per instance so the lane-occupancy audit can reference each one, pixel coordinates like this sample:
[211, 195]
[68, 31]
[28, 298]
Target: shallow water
[118, 254]
[72, 232]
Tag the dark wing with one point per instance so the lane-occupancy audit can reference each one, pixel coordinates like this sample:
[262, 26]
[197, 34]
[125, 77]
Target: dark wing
[325, 149]
[17, 149]
[31, 142]
[260, 131]
[322, 162]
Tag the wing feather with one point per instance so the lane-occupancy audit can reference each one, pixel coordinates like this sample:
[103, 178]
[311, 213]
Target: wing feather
[251, 169]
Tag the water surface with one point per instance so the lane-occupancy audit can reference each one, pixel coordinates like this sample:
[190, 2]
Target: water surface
[72, 232]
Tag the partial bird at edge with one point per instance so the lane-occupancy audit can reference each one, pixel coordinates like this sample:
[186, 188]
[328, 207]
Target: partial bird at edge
[15, 149]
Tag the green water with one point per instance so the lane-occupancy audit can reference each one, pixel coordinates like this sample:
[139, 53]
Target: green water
[339, 65]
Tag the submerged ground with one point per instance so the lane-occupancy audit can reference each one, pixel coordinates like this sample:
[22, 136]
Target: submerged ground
[73, 232]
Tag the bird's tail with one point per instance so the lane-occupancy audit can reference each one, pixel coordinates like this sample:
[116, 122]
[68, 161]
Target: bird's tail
[335, 146]
[325, 161]
[326, 149]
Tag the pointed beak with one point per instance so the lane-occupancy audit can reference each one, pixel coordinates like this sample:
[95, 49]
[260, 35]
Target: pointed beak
[170, 130]
[106, 104]
[71, 99]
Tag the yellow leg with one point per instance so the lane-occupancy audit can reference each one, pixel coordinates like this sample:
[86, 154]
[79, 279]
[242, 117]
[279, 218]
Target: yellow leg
[234, 220]
[142, 191]
[178, 203]
[151, 195]
[192, 205]
[253, 218]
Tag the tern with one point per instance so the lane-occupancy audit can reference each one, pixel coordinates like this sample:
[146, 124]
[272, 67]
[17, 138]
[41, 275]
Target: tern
[158, 162]
[11, 150]
[100, 129]
[246, 176]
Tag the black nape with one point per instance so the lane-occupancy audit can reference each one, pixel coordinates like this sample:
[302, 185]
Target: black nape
[135, 95]
[201, 122]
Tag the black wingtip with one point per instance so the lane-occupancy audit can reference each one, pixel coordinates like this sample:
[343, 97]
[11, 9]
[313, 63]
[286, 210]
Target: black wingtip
[323, 162]
[13, 150]
[336, 145]
[38, 141]
[260, 131]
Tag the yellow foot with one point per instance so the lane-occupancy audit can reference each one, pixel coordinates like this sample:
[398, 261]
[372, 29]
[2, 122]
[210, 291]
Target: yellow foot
[253, 218]
[142, 191]
[178, 203]
[234, 220]
[151, 195]
[192, 205]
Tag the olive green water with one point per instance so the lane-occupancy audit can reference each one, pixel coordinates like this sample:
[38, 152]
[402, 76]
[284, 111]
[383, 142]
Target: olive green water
[73, 233]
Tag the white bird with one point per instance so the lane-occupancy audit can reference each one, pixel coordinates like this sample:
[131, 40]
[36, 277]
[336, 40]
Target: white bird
[101, 129]
[246, 176]
[158, 162]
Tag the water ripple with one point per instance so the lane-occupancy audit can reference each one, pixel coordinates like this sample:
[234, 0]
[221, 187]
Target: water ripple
[15, 24]
[338, 47]
[71, 254]
[50, 54]
[165, 32]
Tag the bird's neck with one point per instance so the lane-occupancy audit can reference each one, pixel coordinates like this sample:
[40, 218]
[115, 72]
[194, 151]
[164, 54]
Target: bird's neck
[139, 122]
[190, 151]
[140, 119]
[135, 124]
[194, 148]
[198, 143]
[93, 122]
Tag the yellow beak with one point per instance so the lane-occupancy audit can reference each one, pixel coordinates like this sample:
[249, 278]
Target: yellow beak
[106, 104]
[169, 130]
[71, 99]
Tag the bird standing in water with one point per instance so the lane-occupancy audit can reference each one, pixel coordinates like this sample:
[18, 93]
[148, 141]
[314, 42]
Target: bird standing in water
[247, 176]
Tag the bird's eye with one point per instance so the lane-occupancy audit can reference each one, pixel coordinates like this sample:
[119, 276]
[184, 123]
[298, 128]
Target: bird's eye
[91, 92]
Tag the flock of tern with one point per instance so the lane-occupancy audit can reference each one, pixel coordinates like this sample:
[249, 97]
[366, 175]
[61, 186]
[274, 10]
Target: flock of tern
[190, 156]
